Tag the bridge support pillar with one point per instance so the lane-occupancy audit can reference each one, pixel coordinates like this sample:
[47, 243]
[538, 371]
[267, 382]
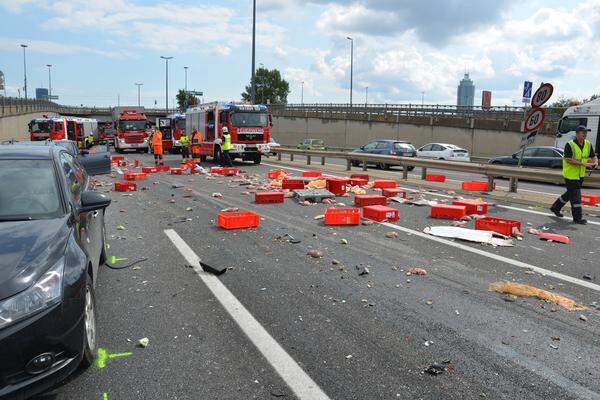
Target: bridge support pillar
[423, 173]
[278, 156]
[404, 172]
[308, 160]
[322, 160]
[364, 166]
[291, 157]
[348, 165]
[513, 183]
[490, 186]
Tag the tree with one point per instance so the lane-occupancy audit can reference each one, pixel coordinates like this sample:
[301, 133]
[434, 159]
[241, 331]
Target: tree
[192, 100]
[270, 87]
[563, 102]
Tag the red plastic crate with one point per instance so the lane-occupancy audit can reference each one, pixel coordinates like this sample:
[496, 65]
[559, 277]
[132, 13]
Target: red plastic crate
[292, 183]
[590, 199]
[381, 213]
[476, 186]
[176, 171]
[268, 197]
[237, 219]
[503, 226]
[393, 192]
[122, 163]
[115, 159]
[384, 184]
[135, 176]
[360, 176]
[473, 206]
[312, 174]
[150, 170]
[362, 200]
[337, 186]
[435, 178]
[225, 171]
[275, 173]
[446, 211]
[358, 181]
[164, 168]
[125, 186]
[342, 216]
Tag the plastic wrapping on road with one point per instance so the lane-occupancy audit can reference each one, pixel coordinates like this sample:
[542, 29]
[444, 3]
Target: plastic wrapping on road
[469, 235]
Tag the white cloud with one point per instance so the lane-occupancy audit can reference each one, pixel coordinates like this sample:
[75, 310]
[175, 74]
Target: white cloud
[50, 47]
[15, 6]
[221, 50]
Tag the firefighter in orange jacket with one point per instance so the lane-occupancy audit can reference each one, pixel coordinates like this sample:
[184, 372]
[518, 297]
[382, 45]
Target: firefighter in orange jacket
[196, 141]
[157, 147]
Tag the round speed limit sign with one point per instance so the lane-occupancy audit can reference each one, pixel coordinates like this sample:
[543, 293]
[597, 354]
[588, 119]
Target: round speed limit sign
[542, 95]
[534, 120]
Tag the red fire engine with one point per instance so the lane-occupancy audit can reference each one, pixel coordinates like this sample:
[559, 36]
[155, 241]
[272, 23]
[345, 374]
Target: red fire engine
[248, 125]
[131, 127]
[53, 128]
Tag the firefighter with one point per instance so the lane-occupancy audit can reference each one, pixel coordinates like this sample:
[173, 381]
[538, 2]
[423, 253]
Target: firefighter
[157, 147]
[225, 147]
[196, 141]
[184, 141]
[89, 141]
[579, 154]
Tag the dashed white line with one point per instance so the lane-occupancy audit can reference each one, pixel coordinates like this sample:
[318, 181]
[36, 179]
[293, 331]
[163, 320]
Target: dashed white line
[299, 382]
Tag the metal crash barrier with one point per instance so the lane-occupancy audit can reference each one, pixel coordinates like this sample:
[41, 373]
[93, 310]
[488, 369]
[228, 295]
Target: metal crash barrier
[491, 171]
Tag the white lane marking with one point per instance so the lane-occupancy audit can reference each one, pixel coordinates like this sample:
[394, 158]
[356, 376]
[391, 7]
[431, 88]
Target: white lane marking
[447, 196]
[497, 257]
[298, 381]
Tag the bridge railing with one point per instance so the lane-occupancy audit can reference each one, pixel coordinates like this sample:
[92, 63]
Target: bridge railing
[413, 110]
[490, 171]
[15, 106]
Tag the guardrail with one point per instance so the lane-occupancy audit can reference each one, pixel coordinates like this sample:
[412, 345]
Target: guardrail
[491, 171]
[408, 110]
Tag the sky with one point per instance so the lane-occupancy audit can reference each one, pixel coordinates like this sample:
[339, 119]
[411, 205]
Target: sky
[404, 50]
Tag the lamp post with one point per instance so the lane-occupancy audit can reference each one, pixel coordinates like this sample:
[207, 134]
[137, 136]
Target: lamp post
[24, 46]
[49, 82]
[166, 82]
[302, 94]
[422, 99]
[185, 99]
[139, 85]
[351, 64]
[366, 96]
[252, 83]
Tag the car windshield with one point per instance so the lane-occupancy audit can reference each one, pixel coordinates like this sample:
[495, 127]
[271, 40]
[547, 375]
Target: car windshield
[29, 190]
[134, 125]
[180, 124]
[249, 119]
[569, 124]
[41, 126]
[404, 146]
[70, 146]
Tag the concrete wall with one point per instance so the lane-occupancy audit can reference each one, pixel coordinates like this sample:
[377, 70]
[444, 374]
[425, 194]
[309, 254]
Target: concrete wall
[15, 126]
[350, 134]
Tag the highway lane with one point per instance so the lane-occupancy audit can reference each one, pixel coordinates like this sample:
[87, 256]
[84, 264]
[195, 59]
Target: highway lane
[533, 187]
[357, 336]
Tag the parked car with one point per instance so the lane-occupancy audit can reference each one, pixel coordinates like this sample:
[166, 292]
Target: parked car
[312, 144]
[443, 151]
[51, 246]
[539, 157]
[386, 147]
[273, 144]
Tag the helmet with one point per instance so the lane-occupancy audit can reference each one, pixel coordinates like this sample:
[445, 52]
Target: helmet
[225, 130]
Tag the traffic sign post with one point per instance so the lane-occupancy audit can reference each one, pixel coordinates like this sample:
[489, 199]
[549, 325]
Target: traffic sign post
[527, 87]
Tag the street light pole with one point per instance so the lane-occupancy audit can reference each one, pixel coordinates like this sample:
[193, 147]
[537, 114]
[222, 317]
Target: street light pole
[366, 96]
[166, 82]
[24, 46]
[49, 82]
[351, 65]
[422, 99]
[185, 99]
[139, 85]
[302, 94]
[252, 83]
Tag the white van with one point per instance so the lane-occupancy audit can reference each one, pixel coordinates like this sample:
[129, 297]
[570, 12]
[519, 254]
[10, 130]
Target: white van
[587, 114]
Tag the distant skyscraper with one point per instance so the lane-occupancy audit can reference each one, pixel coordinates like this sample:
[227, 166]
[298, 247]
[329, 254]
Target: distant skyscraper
[465, 95]
[41, 94]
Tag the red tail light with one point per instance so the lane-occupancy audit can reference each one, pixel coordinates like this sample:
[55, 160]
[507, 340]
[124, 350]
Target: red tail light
[393, 153]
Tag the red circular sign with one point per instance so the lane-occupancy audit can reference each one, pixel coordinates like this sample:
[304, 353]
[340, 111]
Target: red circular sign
[542, 95]
[534, 120]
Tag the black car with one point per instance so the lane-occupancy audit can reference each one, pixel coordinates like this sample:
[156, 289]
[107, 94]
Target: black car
[386, 147]
[537, 157]
[51, 246]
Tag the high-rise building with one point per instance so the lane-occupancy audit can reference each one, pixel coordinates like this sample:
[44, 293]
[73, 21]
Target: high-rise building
[41, 93]
[465, 95]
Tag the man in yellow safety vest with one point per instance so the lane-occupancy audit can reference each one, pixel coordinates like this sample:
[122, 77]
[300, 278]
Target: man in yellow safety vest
[579, 154]
[225, 147]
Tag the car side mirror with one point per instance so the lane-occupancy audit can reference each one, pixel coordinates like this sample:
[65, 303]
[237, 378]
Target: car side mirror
[92, 201]
[362, 147]
[514, 156]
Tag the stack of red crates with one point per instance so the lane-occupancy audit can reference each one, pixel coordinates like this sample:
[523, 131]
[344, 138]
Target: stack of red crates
[479, 207]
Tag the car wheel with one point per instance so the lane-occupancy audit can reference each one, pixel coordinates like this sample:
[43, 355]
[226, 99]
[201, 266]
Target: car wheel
[90, 342]
[257, 159]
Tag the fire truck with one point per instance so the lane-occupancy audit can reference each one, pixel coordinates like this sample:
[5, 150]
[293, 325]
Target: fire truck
[171, 127]
[106, 132]
[53, 128]
[249, 127]
[131, 129]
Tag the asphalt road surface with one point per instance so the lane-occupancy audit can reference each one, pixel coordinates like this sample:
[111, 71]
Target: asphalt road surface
[281, 324]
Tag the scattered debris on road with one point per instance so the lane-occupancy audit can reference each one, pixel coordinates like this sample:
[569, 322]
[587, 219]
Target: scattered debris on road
[315, 253]
[522, 290]
[416, 271]
[469, 235]
[144, 342]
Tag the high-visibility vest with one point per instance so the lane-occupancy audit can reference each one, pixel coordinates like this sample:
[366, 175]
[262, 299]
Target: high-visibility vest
[196, 138]
[575, 172]
[184, 140]
[226, 142]
[157, 139]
